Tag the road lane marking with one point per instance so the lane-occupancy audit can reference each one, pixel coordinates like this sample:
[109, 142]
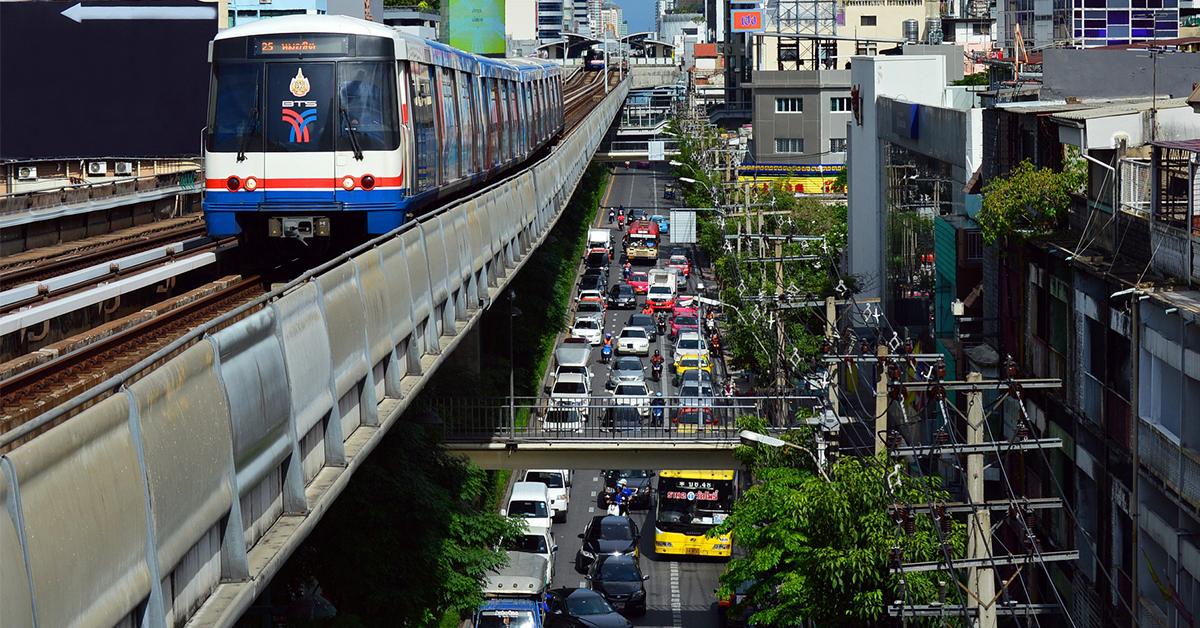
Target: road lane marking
[593, 493]
[591, 509]
[676, 601]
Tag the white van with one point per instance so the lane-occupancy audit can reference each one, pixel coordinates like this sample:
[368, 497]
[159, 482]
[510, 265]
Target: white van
[531, 502]
[559, 483]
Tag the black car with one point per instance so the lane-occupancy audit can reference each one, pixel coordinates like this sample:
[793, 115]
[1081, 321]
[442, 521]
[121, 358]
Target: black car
[622, 296]
[595, 274]
[623, 419]
[679, 250]
[646, 322]
[597, 259]
[636, 479]
[638, 214]
[582, 608]
[619, 579]
[591, 283]
[606, 534]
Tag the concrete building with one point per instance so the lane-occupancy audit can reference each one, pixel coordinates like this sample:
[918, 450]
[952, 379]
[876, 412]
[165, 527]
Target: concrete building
[800, 117]
[1114, 22]
[246, 11]
[550, 20]
[976, 36]
[876, 25]
[1042, 23]
[413, 21]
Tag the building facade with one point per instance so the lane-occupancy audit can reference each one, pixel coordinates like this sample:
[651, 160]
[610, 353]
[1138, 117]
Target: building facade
[800, 117]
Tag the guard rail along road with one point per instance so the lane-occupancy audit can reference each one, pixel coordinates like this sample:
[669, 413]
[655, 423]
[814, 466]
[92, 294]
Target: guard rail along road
[175, 491]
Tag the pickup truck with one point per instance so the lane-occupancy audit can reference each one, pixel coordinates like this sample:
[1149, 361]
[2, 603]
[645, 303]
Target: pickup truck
[514, 593]
[599, 239]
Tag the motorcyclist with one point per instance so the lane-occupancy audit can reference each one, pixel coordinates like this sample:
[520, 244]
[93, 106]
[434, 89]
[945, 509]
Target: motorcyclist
[606, 349]
[626, 269]
[612, 215]
[649, 311]
[661, 319]
[656, 365]
[657, 406]
[624, 496]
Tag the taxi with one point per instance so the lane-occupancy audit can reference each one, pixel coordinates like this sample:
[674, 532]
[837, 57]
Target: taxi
[669, 191]
[692, 362]
[692, 420]
[639, 281]
[664, 223]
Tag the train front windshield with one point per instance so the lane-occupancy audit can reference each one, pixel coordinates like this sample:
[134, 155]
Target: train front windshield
[285, 104]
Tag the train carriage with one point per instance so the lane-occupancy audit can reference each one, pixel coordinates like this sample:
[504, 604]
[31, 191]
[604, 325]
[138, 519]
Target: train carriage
[329, 126]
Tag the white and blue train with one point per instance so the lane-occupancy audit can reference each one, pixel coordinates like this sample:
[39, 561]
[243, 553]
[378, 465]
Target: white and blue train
[329, 126]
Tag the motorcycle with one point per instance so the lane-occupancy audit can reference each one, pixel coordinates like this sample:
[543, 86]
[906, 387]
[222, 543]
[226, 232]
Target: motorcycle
[620, 221]
[662, 324]
[605, 353]
[715, 341]
[656, 370]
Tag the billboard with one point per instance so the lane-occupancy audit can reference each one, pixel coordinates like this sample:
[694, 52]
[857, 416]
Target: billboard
[746, 21]
[474, 25]
[104, 79]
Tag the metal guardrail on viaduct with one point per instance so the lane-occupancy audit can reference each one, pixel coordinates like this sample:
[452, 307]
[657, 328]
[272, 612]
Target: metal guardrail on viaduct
[177, 490]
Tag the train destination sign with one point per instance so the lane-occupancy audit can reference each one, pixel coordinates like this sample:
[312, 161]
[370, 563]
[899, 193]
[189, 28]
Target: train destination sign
[292, 45]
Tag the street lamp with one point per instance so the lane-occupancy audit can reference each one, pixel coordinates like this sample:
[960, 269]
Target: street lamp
[747, 437]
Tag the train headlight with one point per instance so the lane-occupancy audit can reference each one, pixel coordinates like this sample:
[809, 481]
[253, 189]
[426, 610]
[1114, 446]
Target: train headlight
[251, 184]
[348, 183]
[233, 183]
[367, 181]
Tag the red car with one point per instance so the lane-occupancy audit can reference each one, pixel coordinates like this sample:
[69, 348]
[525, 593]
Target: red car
[639, 281]
[680, 262]
[684, 322]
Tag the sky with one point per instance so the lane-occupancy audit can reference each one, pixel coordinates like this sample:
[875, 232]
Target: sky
[639, 14]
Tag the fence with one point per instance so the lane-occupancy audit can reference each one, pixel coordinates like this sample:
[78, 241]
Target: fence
[184, 181]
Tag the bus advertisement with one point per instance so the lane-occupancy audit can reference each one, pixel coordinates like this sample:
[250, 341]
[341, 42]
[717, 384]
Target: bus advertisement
[690, 503]
[642, 241]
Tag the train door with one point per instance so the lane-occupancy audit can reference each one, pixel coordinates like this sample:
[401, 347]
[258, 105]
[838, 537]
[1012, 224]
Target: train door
[507, 122]
[466, 123]
[451, 166]
[300, 120]
[423, 116]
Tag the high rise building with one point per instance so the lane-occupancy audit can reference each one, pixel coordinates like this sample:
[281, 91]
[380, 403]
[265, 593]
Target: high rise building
[549, 20]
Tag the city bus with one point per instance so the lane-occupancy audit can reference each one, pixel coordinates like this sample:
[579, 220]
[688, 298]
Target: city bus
[690, 503]
[642, 241]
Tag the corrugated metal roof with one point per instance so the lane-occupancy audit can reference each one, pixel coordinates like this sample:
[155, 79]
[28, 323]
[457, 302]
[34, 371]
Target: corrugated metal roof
[1121, 108]
[1192, 145]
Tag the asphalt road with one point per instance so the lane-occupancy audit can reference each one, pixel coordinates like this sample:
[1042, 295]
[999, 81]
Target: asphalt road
[680, 589]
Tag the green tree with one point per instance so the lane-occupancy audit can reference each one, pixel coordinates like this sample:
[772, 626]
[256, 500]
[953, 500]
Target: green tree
[1029, 201]
[408, 540]
[820, 551]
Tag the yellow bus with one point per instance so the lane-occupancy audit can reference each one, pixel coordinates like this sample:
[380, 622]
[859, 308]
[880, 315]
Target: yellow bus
[690, 503]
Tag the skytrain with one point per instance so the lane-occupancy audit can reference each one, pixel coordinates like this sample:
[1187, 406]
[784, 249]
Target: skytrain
[323, 126]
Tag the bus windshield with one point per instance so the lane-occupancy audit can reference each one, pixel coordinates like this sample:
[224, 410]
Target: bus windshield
[692, 506]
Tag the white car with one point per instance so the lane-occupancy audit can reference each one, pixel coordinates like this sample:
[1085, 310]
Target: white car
[538, 541]
[634, 394]
[559, 483]
[689, 343]
[590, 309]
[633, 340]
[587, 328]
[571, 389]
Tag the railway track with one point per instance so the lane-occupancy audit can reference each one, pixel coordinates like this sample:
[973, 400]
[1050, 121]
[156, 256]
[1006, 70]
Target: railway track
[582, 91]
[36, 390]
[47, 268]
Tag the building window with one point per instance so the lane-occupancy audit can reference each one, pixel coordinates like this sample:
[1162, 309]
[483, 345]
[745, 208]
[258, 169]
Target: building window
[839, 104]
[981, 29]
[789, 105]
[837, 144]
[974, 245]
[793, 145]
[867, 20]
[865, 49]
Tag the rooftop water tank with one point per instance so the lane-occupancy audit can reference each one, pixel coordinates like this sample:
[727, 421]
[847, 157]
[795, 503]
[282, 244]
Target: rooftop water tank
[912, 31]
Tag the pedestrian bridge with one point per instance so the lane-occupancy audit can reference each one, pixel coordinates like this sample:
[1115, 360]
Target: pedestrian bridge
[688, 433]
[171, 494]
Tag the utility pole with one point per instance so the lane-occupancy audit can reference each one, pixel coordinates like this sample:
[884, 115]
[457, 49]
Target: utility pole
[982, 602]
[981, 580]
[780, 332]
[881, 399]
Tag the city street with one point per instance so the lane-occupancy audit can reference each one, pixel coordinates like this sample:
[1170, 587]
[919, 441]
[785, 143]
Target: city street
[680, 589]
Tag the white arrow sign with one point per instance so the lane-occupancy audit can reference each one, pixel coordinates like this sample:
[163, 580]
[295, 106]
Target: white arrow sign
[79, 13]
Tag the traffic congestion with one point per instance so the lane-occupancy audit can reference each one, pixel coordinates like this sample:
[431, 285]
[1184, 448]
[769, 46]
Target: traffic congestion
[625, 547]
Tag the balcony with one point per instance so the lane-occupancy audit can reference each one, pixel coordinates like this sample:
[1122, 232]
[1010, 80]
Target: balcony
[1178, 467]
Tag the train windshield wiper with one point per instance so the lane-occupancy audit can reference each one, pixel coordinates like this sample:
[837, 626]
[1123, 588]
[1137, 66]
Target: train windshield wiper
[353, 135]
[250, 125]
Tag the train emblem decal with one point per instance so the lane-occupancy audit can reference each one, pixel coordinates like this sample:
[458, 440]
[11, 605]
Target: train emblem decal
[299, 122]
[299, 84]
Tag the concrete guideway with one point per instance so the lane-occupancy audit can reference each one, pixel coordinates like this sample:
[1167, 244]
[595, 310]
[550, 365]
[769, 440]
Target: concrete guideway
[213, 466]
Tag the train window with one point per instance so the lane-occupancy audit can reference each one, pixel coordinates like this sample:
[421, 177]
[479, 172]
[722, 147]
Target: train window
[301, 107]
[466, 120]
[368, 92]
[234, 118]
[507, 120]
[421, 111]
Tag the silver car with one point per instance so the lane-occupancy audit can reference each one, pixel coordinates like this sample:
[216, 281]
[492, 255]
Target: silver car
[626, 369]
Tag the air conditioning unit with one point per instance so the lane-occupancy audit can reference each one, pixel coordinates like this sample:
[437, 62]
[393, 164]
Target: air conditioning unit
[97, 167]
[123, 168]
[26, 173]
